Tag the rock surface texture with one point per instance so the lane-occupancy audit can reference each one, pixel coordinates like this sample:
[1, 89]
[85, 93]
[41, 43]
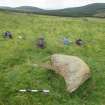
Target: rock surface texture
[74, 70]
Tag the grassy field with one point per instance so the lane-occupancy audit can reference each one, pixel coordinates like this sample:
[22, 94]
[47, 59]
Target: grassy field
[17, 55]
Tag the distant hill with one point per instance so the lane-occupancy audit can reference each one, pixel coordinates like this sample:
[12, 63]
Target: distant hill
[88, 10]
[29, 9]
[22, 9]
[96, 9]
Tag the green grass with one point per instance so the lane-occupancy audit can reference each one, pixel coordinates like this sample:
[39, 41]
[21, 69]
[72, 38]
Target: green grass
[16, 56]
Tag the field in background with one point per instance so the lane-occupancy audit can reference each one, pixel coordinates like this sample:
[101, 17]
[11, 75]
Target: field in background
[17, 55]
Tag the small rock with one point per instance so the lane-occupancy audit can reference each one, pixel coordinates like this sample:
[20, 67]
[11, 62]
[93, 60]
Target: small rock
[79, 42]
[8, 35]
[41, 42]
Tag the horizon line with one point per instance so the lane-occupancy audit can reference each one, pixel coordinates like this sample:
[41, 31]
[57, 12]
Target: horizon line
[50, 8]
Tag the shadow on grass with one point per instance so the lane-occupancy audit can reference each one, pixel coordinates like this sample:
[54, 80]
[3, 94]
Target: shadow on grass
[57, 82]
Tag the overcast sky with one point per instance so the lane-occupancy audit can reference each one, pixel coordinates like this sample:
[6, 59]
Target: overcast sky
[48, 4]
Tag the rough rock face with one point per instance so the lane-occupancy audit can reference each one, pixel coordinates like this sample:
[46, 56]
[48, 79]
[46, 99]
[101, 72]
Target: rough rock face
[73, 69]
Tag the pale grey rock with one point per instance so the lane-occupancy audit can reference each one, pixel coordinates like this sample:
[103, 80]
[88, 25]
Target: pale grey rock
[74, 70]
